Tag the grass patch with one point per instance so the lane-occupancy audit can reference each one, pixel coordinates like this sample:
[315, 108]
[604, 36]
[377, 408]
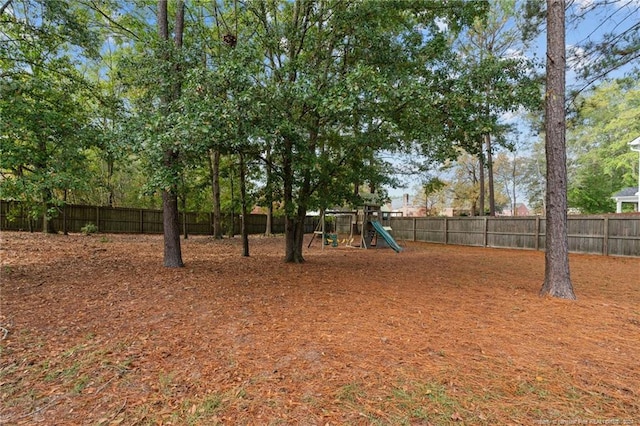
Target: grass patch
[71, 372]
[406, 403]
[430, 401]
[205, 410]
[80, 384]
[350, 393]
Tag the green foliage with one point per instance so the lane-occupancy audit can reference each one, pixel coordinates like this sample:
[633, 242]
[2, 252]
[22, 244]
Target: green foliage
[89, 229]
[600, 161]
[339, 95]
[432, 186]
[44, 124]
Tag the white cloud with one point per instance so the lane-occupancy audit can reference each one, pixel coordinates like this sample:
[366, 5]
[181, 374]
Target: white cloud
[577, 58]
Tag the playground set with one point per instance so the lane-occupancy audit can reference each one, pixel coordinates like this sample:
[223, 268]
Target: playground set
[365, 231]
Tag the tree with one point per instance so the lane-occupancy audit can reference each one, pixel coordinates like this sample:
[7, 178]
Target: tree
[45, 129]
[557, 281]
[500, 78]
[464, 187]
[293, 86]
[46, 133]
[338, 94]
[172, 88]
[601, 162]
[534, 179]
[431, 189]
[511, 172]
[236, 76]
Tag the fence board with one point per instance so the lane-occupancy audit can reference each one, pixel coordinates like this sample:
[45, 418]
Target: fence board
[511, 232]
[428, 229]
[623, 236]
[466, 231]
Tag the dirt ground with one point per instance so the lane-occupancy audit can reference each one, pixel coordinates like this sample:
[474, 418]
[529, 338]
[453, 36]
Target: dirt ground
[96, 332]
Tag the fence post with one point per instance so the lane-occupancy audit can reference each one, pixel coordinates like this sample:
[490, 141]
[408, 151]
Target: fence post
[414, 229]
[537, 243]
[141, 221]
[485, 232]
[446, 230]
[98, 217]
[605, 236]
[65, 231]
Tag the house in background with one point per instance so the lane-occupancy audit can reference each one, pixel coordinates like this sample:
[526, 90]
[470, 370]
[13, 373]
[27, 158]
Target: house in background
[409, 209]
[521, 210]
[626, 195]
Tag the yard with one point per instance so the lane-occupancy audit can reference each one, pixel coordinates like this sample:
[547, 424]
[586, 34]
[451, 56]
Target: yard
[96, 331]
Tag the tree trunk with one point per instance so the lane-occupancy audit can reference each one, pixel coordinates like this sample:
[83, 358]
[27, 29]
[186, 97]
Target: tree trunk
[172, 250]
[47, 221]
[269, 195]
[110, 172]
[163, 20]
[170, 218]
[269, 225]
[514, 171]
[557, 281]
[355, 229]
[302, 214]
[232, 231]
[243, 203]
[214, 168]
[65, 231]
[292, 223]
[184, 215]
[492, 198]
[481, 178]
[178, 30]
[294, 237]
[290, 255]
[294, 251]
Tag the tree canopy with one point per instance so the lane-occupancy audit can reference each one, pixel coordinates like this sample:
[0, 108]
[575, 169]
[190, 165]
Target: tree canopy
[45, 127]
[285, 104]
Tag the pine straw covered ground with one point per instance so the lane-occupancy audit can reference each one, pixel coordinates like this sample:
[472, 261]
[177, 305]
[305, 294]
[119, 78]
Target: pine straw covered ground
[100, 333]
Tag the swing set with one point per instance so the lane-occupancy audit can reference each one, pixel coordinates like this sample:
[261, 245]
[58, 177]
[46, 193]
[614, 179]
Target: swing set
[371, 232]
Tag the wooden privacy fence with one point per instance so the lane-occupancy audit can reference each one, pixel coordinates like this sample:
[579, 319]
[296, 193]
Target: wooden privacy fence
[73, 218]
[616, 235]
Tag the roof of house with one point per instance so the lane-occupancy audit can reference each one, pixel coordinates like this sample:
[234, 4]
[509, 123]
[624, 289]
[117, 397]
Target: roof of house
[626, 192]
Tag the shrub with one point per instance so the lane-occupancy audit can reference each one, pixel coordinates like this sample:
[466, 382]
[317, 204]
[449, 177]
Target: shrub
[89, 229]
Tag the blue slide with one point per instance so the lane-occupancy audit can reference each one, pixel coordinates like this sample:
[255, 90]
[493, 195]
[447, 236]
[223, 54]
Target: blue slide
[386, 236]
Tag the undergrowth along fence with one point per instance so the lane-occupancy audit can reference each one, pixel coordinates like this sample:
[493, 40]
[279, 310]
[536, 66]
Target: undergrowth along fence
[72, 218]
[616, 235]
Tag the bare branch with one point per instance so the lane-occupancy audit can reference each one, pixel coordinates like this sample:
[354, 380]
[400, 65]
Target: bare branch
[111, 21]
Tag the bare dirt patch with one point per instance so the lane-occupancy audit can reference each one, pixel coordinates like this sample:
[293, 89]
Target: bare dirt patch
[96, 331]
